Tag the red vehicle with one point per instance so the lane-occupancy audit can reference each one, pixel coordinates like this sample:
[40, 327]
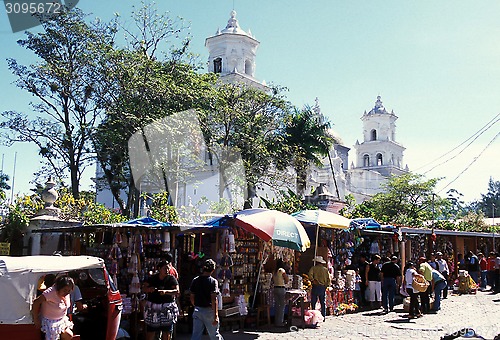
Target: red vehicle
[20, 282]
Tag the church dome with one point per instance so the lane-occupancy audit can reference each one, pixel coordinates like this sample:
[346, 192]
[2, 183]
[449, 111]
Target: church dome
[233, 26]
[378, 108]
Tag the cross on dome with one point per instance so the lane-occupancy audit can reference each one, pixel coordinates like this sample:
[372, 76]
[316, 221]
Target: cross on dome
[379, 107]
[232, 22]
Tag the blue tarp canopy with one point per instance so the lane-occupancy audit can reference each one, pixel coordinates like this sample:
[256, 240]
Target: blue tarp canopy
[146, 222]
[219, 221]
[365, 223]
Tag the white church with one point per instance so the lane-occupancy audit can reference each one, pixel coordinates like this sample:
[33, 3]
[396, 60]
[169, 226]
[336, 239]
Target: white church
[232, 54]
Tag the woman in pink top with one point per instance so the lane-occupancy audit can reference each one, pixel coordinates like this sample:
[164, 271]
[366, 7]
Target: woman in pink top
[50, 310]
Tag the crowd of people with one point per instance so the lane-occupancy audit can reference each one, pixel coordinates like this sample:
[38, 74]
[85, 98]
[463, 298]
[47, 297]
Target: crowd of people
[371, 284]
[375, 282]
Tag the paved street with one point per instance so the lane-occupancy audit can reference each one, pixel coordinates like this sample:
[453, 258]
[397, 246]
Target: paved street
[480, 312]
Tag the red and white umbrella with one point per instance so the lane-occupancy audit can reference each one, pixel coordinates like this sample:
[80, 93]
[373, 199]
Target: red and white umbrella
[284, 230]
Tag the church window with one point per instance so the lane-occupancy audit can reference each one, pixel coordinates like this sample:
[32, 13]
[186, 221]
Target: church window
[374, 134]
[366, 160]
[218, 65]
[379, 159]
[248, 67]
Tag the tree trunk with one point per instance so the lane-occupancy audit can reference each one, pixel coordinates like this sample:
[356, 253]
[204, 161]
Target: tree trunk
[250, 195]
[301, 182]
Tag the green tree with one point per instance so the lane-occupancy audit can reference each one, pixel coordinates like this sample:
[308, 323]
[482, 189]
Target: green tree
[246, 120]
[457, 206]
[308, 141]
[85, 209]
[17, 220]
[162, 210]
[472, 221]
[287, 202]
[3, 185]
[143, 87]
[490, 202]
[64, 83]
[408, 199]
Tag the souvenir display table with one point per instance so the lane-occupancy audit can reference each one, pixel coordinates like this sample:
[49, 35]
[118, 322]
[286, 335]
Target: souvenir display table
[298, 303]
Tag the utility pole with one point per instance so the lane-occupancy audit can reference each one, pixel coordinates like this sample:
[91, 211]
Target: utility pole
[433, 213]
[13, 179]
[493, 223]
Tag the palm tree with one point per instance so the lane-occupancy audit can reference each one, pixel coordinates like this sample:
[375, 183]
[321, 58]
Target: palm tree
[306, 136]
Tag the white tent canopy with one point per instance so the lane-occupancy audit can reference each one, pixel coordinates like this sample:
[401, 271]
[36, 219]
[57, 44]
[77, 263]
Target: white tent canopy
[19, 277]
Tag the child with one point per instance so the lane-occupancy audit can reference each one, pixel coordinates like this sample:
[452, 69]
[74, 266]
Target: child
[357, 288]
[50, 309]
[350, 286]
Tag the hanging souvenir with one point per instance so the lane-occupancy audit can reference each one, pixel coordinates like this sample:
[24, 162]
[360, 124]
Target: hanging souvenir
[193, 239]
[117, 238]
[124, 243]
[135, 245]
[114, 255]
[135, 285]
[133, 266]
[166, 241]
[232, 243]
[242, 305]
[225, 289]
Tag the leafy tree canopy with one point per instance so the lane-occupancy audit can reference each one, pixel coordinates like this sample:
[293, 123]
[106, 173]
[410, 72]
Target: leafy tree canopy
[408, 199]
[64, 83]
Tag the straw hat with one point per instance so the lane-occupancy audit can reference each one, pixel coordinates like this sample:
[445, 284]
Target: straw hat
[319, 259]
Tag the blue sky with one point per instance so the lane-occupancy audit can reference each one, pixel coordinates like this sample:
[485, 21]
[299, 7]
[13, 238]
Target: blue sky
[435, 63]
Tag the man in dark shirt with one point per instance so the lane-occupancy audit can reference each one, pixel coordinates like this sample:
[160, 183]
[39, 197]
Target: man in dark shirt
[391, 279]
[204, 290]
[363, 285]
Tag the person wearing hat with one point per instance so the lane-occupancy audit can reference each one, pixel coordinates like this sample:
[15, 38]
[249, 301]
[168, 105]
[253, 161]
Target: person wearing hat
[204, 290]
[391, 280]
[442, 267]
[320, 278]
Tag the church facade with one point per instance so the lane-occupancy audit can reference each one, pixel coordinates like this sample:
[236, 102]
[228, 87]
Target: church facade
[232, 54]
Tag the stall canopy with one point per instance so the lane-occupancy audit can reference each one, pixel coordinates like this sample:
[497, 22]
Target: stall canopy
[322, 218]
[284, 230]
[19, 275]
[145, 222]
[365, 223]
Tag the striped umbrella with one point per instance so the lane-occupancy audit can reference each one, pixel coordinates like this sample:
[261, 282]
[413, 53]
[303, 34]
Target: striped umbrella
[283, 229]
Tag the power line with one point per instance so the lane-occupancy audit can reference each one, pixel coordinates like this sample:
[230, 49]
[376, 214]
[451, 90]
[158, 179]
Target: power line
[470, 164]
[474, 137]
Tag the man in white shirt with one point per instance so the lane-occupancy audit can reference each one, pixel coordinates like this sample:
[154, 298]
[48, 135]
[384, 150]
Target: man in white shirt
[442, 267]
